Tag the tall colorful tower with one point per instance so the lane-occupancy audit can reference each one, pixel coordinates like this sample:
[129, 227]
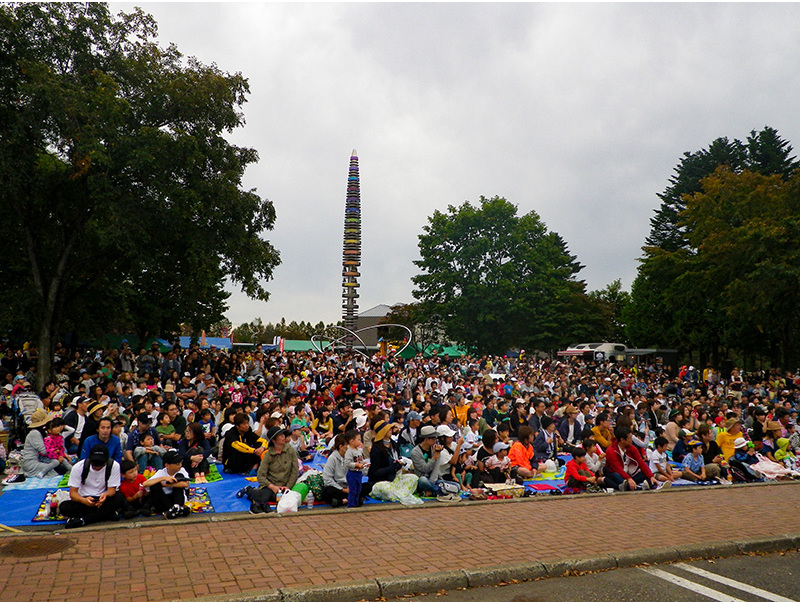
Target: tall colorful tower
[351, 258]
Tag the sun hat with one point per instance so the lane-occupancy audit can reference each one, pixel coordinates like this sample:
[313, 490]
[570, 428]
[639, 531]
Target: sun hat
[414, 416]
[95, 406]
[740, 443]
[274, 432]
[381, 429]
[40, 417]
[773, 426]
[731, 422]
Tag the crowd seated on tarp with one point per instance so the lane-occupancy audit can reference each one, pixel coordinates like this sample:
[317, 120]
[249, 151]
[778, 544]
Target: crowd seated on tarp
[133, 430]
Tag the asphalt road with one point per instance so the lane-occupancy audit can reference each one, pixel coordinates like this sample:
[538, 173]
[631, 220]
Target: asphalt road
[772, 577]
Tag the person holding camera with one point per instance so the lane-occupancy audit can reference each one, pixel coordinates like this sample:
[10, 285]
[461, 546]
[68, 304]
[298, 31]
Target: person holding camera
[425, 458]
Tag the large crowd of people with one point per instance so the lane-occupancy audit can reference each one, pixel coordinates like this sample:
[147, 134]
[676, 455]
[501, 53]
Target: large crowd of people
[133, 430]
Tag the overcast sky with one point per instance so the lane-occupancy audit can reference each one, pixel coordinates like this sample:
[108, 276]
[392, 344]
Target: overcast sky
[579, 112]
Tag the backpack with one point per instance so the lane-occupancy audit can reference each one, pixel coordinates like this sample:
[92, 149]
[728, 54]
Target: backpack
[87, 465]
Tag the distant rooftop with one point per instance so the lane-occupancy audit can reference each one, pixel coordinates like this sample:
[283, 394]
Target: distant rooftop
[378, 311]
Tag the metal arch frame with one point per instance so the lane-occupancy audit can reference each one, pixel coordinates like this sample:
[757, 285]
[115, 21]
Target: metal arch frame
[347, 332]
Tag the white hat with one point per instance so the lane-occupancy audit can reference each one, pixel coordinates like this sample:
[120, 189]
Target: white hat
[739, 443]
[359, 412]
[361, 420]
[276, 415]
[445, 431]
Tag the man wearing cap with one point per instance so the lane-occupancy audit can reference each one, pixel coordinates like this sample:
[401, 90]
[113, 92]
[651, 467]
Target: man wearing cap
[104, 437]
[681, 448]
[277, 472]
[425, 458]
[93, 494]
[186, 391]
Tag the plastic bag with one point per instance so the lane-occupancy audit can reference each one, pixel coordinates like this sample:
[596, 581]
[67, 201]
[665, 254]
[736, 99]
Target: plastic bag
[400, 490]
[289, 502]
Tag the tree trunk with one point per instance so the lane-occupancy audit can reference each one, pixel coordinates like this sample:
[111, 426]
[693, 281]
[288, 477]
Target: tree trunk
[45, 362]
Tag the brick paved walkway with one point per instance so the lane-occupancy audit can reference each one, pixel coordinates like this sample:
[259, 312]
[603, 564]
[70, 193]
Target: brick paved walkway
[268, 552]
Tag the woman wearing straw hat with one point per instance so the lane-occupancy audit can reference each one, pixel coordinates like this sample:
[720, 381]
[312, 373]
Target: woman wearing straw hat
[35, 462]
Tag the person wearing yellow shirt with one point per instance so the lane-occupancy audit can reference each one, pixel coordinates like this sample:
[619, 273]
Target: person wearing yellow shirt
[725, 439]
[602, 431]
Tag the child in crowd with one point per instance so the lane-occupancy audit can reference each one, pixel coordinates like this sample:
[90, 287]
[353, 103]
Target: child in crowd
[659, 463]
[54, 445]
[354, 464]
[595, 458]
[498, 464]
[459, 473]
[471, 438]
[165, 427]
[504, 432]
[694, 466]
[145, 453]
[207, 423]
[118, 429]
[297, 441]
[168, 486]
[578, 475]
[136, 497]
[794, 437]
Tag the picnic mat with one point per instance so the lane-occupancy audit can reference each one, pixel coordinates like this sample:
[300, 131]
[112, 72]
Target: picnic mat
[36, 483]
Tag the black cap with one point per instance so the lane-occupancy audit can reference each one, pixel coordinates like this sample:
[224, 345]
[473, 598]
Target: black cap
[98, 455]
[172, 457]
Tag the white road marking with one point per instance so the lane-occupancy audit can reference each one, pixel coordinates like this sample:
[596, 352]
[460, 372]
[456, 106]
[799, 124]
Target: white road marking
[764, 594]
[710, 593]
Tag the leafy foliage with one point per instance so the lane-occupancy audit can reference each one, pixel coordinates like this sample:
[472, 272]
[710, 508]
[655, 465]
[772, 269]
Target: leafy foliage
[117, 180]
[718, 271]
[499, 280]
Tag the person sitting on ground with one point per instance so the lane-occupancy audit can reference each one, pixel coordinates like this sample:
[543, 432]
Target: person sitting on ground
[521, 454]
[384, 458]
[425, 457]
[147, 454]
[601, 432]
[136, 497]
[35, 461]
[499, 465]
[725, 439]
[681, 448]
[105, 437]
[195, 450]
[143, 425]
[693, 464]
[278, 472]
[772, 433]
[712, 454]
[625, 468]
[334, 474]
[577, 474]
[672, 428]
[659, 462]
[545, 445]
[486, 450]
[298, 442]
[595, 458]
[93, 495]
[168, 486]
[54, 443]
[242, 450]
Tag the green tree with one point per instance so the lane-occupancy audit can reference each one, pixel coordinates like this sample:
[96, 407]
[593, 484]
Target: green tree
[497, 279]
[116, 178]
[613, 301]
[673, 304]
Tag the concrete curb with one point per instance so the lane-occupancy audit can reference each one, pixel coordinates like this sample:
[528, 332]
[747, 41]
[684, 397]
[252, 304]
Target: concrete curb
[399, 586]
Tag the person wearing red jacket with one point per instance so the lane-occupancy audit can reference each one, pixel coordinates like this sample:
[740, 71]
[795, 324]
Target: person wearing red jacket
[577, 474]
[625, 468]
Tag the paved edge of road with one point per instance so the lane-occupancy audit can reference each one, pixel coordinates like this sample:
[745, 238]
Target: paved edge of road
[156, 522]
[520, 572]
